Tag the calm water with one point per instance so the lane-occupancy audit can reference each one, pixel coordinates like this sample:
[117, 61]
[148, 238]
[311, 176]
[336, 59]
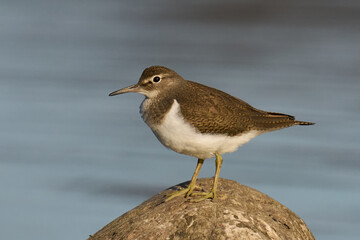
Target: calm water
[73, 159]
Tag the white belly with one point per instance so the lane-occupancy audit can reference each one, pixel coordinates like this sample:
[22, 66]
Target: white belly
[181, 137]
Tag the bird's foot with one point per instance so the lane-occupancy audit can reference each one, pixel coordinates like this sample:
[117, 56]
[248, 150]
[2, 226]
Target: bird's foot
[204, 196]
[183, 191]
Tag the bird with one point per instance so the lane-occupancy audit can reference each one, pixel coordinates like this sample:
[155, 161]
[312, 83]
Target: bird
[200, 121]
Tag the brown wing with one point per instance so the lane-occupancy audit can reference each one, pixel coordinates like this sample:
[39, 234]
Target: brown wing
[212, 111]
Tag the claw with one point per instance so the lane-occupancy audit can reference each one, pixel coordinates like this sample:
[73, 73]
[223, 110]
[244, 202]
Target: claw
[187, 192]
[204, 196]
[170, 196]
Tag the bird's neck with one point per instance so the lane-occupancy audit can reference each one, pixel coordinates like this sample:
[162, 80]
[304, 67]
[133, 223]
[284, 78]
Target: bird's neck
[153, 110]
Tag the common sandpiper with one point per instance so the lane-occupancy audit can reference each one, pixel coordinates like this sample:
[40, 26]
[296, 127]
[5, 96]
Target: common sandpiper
[200, 121]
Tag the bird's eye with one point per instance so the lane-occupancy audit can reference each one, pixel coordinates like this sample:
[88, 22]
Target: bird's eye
[156, 79]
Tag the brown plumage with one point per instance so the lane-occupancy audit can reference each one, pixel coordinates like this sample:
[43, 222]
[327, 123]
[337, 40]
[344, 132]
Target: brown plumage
[210, 110]
[220, 122]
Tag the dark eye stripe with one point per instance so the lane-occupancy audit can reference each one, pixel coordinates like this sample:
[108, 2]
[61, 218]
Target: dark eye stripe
[146, 83]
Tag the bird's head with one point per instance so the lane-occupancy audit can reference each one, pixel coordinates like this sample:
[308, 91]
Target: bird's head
[153, 81]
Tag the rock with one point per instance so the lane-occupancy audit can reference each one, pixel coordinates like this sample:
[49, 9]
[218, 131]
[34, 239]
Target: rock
[238, 212]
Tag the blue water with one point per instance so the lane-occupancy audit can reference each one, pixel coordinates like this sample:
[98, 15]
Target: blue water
[73, 159]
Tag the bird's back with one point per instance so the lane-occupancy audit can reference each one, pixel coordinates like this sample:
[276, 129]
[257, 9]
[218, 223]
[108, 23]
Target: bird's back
[212, 111]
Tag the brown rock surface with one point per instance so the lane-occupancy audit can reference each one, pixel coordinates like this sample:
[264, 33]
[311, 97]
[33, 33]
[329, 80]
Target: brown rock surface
[238, 212]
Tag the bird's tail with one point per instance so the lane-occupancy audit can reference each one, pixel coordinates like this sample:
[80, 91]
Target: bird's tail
[303, 123]
[290, 118]
[270, 121]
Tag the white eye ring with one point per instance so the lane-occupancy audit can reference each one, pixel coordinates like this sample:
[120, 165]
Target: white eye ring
[156, 79]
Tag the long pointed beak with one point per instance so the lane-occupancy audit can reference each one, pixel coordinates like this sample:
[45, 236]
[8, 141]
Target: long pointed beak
[132, 88]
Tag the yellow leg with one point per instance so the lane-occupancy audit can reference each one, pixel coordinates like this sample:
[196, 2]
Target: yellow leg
[187, 191]
[212, 193]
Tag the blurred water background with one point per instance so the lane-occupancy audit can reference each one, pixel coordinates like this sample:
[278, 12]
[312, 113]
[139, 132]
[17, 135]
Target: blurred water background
[73, 159]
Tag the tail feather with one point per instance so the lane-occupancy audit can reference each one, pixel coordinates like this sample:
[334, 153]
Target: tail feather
[282, 115]
[287, 118]
[303, 123]
[270, 121]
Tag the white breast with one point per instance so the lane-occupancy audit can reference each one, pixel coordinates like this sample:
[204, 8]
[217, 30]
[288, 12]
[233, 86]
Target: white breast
[181, 137]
